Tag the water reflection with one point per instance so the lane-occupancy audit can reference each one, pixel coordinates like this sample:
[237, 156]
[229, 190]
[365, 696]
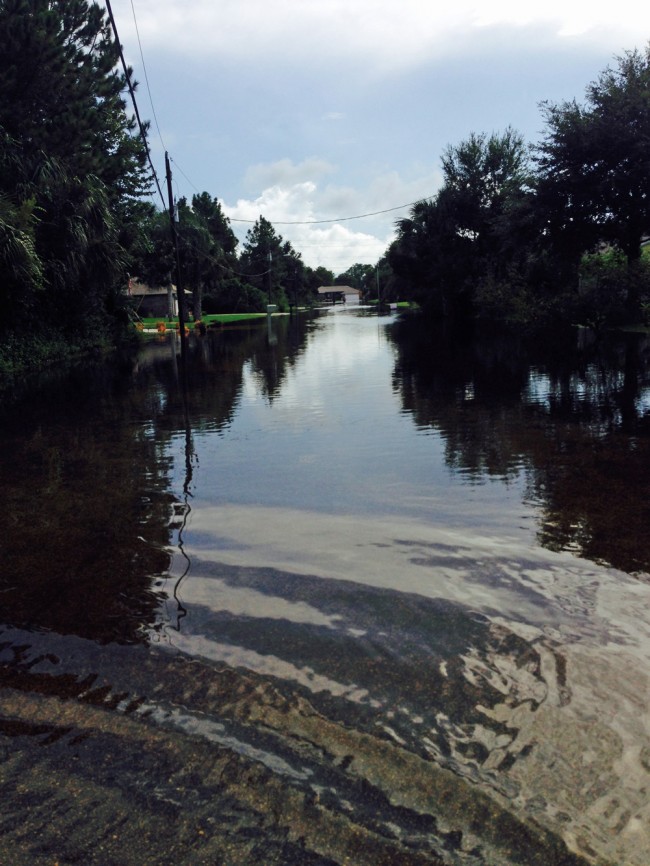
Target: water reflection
[86, 500]
[89, 513]
[289, 605]
[478, 655]
[573, 415]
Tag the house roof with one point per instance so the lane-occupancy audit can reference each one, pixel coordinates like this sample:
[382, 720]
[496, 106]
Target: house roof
[137, 289]
[345, 290]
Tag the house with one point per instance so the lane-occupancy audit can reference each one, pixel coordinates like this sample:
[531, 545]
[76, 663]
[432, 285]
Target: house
[338, 294]
[352, 296]
[153, 301]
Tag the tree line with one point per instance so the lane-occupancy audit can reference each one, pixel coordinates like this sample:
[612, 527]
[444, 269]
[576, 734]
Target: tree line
[72, 173]
[75, 218]
[550, 232]
[516, 232]
[221, 278]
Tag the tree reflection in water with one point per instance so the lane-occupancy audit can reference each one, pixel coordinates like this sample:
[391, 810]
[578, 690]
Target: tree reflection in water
[352, 661]
[573, 414]
[86, 503]
[88, 514]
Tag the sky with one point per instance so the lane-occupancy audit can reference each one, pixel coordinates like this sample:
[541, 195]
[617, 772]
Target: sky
[314, 113]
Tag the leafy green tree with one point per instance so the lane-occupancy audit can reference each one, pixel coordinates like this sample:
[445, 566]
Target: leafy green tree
[218, 264]
[432, 258]
[196, 249]
[256, 258]
[386, 285]
[208, 257]
[484, 175]
[154, 260]
[322, 276]
[292, 274]
[594, 169]
[70, 165]
[271, 265]
[448, 245]
[310, 280]
[488, 168]
[359, 276]
[21, 268]
[61, 96]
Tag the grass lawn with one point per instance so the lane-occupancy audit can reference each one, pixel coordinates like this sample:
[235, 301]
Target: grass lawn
[219, 318]
[151, 323]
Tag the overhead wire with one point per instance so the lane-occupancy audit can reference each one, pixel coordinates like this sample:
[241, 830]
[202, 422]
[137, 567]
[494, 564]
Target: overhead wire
[146, 77]
[194, 187]
[209, 257]
[127, 75]
[153, 170]
[334, 219]
[314, 222]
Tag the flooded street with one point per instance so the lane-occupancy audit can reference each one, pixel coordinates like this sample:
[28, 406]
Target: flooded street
[347, 590]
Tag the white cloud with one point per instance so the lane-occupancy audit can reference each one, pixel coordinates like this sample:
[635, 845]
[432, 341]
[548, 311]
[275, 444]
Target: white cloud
[334, 246]
[305, 110]
[571, 18]
[383, 33]
[294, 28]
[277, 204]
[296, 209]
[337, 247]
[284, 172]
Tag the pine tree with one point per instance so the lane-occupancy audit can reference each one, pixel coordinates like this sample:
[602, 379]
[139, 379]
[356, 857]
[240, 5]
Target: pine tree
[68, 147]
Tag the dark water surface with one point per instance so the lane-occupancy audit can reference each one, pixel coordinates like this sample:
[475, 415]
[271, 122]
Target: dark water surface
[362, 592]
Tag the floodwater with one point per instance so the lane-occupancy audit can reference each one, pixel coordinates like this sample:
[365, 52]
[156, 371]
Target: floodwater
[345, 589]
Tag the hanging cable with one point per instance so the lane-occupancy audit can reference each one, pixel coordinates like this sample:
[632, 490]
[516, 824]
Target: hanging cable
[334, 219]
[143, 134]
[315, 222]
[146, 77]
[153, 170]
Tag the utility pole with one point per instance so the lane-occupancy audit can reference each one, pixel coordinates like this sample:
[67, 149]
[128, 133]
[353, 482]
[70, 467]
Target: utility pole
[179, 284]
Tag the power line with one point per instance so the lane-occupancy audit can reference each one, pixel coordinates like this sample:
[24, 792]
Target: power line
[143, 135]
[313, 222]
[187, 178]
[334, 219]
[146, 144]
[146, 77]
[153, 170]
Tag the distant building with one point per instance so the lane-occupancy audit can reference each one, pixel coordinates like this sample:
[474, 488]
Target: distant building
[338, 294]
[352, 296]
[153, 301]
